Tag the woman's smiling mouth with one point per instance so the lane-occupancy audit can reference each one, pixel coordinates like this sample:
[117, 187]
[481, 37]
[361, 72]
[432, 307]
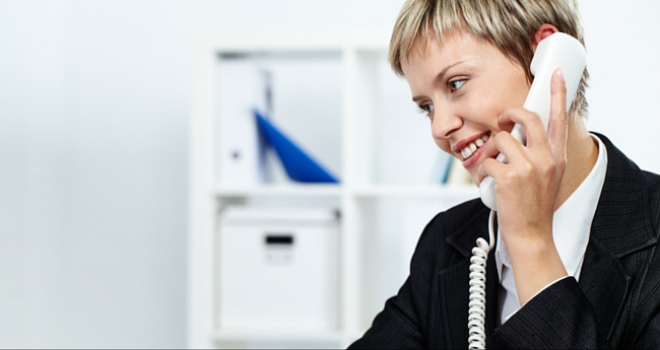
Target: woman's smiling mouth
[469, 148]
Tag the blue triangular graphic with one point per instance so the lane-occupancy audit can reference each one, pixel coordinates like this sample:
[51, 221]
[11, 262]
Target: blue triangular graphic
[297, 163]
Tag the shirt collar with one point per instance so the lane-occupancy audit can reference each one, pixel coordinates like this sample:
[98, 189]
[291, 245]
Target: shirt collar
[571, 221]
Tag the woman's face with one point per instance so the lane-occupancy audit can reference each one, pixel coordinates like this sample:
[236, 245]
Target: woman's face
[464, 84]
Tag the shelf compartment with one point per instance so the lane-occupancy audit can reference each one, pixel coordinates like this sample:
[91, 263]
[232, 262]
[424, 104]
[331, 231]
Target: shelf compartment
[298, 91]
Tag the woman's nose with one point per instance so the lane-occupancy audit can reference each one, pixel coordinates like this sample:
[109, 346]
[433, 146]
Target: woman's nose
[444, 122]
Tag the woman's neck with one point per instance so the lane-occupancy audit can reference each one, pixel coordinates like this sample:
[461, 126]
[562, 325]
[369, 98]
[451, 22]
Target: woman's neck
[581, 156]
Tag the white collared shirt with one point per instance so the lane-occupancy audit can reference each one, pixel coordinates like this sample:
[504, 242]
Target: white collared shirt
[571, 225]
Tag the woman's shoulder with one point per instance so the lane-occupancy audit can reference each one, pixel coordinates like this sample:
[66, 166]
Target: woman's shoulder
[652, 182]
[653, 190]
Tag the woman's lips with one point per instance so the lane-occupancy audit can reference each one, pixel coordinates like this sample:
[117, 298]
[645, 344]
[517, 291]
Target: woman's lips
[474, 158]
[471, 148]
[466, 142]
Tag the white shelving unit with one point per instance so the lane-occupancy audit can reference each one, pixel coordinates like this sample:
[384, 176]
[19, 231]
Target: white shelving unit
[385, 197]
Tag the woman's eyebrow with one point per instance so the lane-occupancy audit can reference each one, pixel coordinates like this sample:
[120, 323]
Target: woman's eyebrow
[439, 77]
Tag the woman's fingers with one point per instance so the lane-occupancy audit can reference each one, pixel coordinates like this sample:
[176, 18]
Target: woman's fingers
[501, 143]
[531, 123]
[558, 124]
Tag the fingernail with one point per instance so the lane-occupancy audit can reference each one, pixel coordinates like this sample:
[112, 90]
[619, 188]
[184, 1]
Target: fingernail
[559, 73]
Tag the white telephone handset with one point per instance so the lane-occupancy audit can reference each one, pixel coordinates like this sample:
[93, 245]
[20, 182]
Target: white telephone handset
[558, 50]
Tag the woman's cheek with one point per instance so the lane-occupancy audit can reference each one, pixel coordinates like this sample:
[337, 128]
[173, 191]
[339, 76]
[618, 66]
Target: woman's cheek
[444, 145]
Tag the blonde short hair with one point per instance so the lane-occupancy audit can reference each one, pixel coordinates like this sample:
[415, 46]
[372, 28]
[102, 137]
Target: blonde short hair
[510, 25]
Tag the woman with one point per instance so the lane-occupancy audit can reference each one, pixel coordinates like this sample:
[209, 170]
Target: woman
[575, 263]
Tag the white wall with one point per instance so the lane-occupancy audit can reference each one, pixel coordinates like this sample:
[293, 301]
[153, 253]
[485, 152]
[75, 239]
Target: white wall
[623, 51]
[94, 99]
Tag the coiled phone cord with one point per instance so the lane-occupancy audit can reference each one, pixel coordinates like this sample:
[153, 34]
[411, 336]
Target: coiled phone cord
[477, 305]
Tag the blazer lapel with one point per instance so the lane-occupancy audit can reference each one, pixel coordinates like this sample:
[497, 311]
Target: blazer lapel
[605, 283]
[453, 287]
[454, 282]
[492, 293]
[621, 226]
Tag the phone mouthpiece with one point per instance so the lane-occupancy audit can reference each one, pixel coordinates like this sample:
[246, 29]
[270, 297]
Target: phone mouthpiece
[487, 192]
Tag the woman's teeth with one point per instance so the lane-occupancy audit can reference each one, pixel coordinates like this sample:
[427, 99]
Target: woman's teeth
[472, 147]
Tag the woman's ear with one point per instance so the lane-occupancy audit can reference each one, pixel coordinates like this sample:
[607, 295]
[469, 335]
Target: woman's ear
[543, 32]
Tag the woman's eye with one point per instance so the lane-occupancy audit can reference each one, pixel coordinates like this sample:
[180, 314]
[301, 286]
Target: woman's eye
[426, 109]
[456, 84]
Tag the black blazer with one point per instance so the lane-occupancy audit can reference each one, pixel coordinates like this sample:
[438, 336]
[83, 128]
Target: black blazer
[616, 303]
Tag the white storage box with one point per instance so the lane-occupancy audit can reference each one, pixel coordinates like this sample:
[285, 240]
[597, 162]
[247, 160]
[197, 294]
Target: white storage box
[278, 269]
